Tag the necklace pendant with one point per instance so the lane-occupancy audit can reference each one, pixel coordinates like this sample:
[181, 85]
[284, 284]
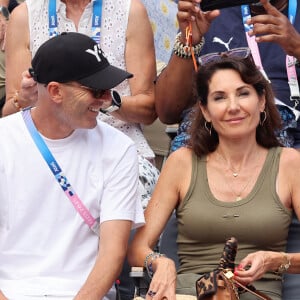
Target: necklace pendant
[235, 174]
[238, 198]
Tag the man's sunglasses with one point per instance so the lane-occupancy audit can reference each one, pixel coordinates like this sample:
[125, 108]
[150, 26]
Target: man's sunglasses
[242, 53]
[96, 93]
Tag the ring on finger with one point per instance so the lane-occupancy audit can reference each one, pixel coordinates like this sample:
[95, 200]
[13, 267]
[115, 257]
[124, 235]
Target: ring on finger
[151, 293]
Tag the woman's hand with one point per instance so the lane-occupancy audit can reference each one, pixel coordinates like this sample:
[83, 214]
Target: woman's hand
[256, 264]
[163, 283]
[28, 92]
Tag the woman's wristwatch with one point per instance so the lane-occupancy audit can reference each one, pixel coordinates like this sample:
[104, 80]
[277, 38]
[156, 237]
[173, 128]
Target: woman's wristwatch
[116, 103]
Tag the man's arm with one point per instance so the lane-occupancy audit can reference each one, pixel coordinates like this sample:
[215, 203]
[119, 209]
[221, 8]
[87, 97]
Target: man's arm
[113, 241]
[174, 89]
[175, 84]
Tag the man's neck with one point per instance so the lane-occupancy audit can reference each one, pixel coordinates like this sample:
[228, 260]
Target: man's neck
[51, 128]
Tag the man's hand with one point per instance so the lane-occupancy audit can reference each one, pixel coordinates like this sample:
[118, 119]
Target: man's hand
[275, 27]
[189, 11]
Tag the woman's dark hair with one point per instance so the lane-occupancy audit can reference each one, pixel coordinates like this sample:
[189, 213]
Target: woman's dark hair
[204, 142]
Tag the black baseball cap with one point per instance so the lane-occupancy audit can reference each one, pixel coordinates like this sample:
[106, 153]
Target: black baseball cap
[76, 57]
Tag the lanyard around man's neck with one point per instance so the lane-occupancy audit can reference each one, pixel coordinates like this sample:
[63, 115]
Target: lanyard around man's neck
[96, 22]
[58, 174]
[290, 60]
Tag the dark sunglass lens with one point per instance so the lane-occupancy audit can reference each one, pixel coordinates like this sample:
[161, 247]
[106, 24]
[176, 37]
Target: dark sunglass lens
[98, 93]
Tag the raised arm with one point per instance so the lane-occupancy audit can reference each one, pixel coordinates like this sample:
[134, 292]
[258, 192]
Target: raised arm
[174, 85]
[139, 107]
[18, 60]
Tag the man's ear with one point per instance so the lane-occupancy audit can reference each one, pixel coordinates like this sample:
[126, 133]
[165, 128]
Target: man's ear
[55, 91]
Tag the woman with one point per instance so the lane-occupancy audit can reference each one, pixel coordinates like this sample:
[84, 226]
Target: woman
[233, 180]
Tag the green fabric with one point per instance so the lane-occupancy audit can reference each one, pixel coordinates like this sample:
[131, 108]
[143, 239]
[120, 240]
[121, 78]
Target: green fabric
[259, 221]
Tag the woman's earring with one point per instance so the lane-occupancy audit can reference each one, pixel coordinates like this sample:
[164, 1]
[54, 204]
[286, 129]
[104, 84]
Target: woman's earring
[206, 125]
[263, 118]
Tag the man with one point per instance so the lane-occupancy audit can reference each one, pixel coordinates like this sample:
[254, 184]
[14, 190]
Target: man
[46, 246]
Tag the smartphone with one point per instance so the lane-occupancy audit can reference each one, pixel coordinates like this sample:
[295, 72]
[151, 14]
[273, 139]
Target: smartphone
[206, 5]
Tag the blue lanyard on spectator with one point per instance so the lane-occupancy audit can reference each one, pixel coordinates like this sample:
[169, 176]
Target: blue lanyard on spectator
[290, 60]
[96, 21]
[58, 174]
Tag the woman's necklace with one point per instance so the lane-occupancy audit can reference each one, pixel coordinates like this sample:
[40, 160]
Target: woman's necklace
[235, 174]
[238, 195]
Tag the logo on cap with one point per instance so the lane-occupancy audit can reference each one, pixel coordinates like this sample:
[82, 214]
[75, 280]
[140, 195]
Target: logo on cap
[97, 52]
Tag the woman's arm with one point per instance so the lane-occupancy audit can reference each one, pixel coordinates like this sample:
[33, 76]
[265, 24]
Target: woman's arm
[288, 189]
[18, 60]
[139, 107]
[171, 187]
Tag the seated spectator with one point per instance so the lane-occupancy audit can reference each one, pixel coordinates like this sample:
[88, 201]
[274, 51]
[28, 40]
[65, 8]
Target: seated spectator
[66, 240]
[127, 41]
[234, 179]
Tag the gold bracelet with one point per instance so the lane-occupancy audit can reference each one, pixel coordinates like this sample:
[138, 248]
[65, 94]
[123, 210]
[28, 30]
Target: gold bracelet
[283, 268]
[16, 102]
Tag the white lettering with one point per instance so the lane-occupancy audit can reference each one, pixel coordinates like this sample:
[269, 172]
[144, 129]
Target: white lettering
[95, 52]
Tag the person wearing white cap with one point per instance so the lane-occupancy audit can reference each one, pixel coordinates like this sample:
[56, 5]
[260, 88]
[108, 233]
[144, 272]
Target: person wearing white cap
[68, 181]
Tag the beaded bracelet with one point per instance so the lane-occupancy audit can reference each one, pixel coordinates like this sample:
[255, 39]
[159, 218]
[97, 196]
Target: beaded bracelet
[16, 102]
[184, 51]
[148, 266]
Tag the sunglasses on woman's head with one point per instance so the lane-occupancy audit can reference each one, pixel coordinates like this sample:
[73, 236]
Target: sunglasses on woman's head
[241, 53]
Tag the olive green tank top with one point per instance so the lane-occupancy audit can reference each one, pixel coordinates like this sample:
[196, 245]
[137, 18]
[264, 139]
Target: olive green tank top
[259, 222]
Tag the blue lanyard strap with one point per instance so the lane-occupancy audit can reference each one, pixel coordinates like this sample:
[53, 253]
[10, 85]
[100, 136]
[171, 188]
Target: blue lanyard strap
[52, 18]
[292, 10]
[96, 21]
[58, 174]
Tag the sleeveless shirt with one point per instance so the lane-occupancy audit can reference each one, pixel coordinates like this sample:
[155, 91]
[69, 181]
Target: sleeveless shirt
[259, 221]
[113, 40]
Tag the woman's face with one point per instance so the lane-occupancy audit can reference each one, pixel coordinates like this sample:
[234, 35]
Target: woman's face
[233, 106]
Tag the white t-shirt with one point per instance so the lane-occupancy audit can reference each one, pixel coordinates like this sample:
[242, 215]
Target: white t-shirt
[45, 246]
[113, 39]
